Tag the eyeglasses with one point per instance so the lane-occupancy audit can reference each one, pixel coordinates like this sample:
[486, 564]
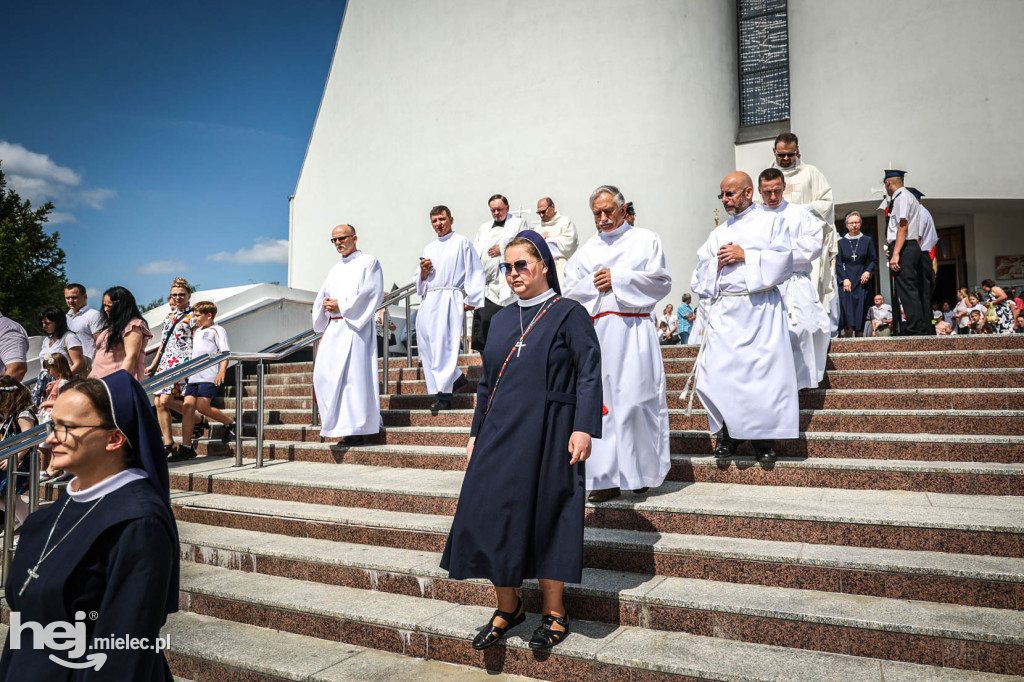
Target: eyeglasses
[521, 266]
[731, 194]
[338, 240]
[61, 431]
[786, 155]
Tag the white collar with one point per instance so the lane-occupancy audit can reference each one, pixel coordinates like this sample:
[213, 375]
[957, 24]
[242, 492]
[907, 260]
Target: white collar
[348, 258]
[107, 485]
[792, 169]
[744, 214]
[617, 232]
[446, 237]
[554, 219]
[778, 209]
[847, 236]
[536, 300]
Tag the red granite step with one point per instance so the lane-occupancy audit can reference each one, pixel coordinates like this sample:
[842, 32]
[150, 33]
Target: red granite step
[775, 513]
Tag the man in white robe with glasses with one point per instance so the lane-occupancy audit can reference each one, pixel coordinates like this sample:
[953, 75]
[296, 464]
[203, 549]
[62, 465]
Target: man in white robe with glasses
[809, 324]
[746, 379]
[450, 281]
[345, 371]
[619, 276]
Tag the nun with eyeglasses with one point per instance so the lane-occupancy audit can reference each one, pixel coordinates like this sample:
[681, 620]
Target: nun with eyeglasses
[538, 405]
[103, 558]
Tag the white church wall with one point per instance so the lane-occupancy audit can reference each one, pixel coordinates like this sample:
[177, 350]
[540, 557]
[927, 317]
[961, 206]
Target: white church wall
[527, 98]
[934, 87]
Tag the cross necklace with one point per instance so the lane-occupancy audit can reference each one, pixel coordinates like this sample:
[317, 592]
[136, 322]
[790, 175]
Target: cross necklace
[32, 572]
[519, 344]
[853, 247]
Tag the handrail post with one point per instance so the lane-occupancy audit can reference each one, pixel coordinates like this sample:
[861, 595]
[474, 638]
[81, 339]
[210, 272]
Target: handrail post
[9, 506]
[33, 477]
[314, 408]
[239, 413]
[408, 333]
[387, 347]
[259, 413]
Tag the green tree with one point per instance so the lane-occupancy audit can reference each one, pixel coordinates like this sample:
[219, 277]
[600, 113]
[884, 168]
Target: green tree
[31, 260]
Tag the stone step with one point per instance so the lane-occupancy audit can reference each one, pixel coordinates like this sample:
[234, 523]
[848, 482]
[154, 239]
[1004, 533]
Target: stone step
[391, 567]
[428, 627]
[963, 524]
[926, 343]
[814, 445]
[953, 378]
[208, 648]
[969, 478]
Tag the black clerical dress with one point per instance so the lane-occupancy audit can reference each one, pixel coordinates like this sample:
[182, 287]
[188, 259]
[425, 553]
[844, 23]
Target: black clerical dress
[520, 512]
[856, 256]
[119, 567]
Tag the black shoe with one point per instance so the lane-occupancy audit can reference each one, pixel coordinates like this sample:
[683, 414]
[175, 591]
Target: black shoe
[765, 453]
[460, 383]
[228, 435]
[198, 429]
[545, 637]
[169, 449]
[182, 454]
[440, 405]
[599, 496]
[726, 445]
[352, 440]
[641, 491]
[492, 634]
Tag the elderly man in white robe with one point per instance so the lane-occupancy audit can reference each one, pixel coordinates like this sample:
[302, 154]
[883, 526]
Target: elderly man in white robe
[809, 325]
[559, 232]
[345, 372]
[745, 374]
[619, 275]
[449, 281]
[491, 240]
[805, 184]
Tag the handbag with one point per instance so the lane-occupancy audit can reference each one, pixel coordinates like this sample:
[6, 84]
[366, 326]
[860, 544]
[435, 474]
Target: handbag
[991, 316]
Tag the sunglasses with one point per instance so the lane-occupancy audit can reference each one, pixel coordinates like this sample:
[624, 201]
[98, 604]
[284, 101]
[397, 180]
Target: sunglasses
[786, 155]
[339, 240]
[521, 266]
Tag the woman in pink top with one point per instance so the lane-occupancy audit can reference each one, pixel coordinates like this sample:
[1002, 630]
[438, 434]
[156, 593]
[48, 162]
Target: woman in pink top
[122, 343]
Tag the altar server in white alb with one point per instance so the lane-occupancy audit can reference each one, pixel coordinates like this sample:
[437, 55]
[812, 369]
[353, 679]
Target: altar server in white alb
[559, 232]
[806, 185]
[745, 374]
[450, 280]
[345, 371]
[619, 275]
[809, 325]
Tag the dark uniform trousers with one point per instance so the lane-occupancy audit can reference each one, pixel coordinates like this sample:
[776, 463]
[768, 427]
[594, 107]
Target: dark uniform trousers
[928, 272]
[911, 286]
[482, 323]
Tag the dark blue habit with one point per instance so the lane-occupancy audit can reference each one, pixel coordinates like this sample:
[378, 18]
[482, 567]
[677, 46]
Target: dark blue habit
[853, 305]
[520, 512]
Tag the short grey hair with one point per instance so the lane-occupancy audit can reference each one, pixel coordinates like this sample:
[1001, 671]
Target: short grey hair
[608, 189]
[850, 215]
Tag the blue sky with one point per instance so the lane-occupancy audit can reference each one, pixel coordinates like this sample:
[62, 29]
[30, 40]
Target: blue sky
[168, 135]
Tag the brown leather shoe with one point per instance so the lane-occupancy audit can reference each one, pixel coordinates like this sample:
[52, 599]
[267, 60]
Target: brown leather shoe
[598, 496]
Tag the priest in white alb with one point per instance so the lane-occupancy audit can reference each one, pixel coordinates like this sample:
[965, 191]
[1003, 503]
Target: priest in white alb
[559, 231]
[745, 374]
[806, 185]
[345, 372]
[810, 329]
[450, 280]
[619, 275]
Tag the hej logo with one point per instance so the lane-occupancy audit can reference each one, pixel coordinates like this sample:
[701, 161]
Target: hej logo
[57, 636]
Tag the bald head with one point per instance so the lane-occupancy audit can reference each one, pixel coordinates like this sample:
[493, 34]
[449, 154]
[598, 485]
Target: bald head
[737, 192]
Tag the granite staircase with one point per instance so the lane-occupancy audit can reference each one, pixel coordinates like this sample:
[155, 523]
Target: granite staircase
[887, 543]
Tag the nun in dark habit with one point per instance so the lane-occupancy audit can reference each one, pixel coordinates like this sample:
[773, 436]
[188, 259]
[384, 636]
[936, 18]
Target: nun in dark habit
[103, 557]
[539, 403]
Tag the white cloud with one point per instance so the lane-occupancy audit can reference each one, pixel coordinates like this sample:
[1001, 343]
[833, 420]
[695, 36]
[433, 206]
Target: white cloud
[58, 217]
[94, 294]
[263, 251]
[162, 267]
[38, 178]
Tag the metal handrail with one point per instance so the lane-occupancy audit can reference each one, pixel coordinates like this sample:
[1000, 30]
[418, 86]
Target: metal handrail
[10, 447]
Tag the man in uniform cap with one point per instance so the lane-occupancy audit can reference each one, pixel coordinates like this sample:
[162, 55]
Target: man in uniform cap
[903, 234]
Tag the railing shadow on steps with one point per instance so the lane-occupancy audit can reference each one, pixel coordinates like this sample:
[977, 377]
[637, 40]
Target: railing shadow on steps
[12, 447]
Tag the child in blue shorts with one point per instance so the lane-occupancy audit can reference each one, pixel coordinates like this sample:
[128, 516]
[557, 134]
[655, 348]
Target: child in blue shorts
[207, 339]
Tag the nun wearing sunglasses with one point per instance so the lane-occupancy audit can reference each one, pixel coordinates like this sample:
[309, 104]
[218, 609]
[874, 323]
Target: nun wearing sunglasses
[538, 405]
[103, 557]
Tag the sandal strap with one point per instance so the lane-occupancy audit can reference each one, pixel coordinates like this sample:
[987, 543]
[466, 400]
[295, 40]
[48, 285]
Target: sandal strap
[552, 618]
[507, 616]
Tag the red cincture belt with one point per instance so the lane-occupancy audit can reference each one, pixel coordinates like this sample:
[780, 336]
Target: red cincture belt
[338, 318]
[595, 318]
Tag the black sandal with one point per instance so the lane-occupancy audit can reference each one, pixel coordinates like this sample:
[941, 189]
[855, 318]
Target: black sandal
[544, 637]
[493, 633]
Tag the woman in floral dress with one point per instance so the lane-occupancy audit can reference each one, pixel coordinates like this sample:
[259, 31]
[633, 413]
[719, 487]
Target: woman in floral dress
[175, 349]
